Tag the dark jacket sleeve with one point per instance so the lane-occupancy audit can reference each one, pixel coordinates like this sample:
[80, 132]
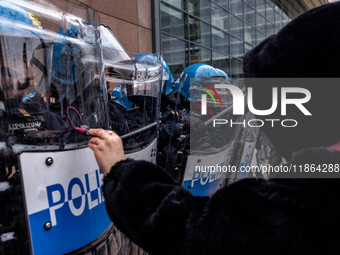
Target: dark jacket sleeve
[280, 216]
[145, 203]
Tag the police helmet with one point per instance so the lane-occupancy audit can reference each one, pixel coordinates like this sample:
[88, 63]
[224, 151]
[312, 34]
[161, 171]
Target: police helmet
[120, 97]
[223, 74]
[167, 77]
[194, 71]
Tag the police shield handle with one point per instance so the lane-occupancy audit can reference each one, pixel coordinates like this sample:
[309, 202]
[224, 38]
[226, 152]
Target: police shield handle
[107, 147]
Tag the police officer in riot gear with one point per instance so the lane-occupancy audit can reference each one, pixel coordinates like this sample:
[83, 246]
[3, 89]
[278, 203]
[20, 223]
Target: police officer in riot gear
[52, 89]
[134, 86]
[181, 119]
[25, 118]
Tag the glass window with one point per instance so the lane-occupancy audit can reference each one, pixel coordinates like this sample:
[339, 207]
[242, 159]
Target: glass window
[213, 31]
[278, 20]
[249, 15]
[277, 9]
[236, 26]
[199, 32]
[247, 48]
[261, 7]
[223, 3]
[249, 34]
[259, 37]
[250, 2]
[176, 3]
[236, 47]
[270, 3]
[199, 8]
[236, 68]
[285, 19]
[285, 22]
[219, 17]
[236, 8]
[270, 29]
[260, 21]
[174, 53]
[199, 54]
[172, 21]
[221, 61]
[220, 41]
[270, 14]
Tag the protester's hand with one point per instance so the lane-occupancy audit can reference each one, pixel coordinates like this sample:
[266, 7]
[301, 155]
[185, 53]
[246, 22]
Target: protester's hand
[107, 147]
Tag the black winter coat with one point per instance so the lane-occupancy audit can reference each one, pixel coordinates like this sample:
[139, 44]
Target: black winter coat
[251, 216]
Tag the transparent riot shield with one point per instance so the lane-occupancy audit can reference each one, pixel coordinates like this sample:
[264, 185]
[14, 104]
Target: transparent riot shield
[228, 127]
[188, 138]
[255, 150]
[213, 143]
[52, 89]
[113, 51]
[134, 110]
[134, 86]
[225, 142]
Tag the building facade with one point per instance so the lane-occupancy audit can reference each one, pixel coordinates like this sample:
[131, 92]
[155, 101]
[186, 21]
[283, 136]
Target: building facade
[129, 20]
[218, 32]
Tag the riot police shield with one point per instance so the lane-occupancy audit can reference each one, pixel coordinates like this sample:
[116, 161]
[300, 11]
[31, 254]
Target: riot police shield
[227, 143]
[52, 90]
[134, 84]
[213, 142]
[187, 136]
